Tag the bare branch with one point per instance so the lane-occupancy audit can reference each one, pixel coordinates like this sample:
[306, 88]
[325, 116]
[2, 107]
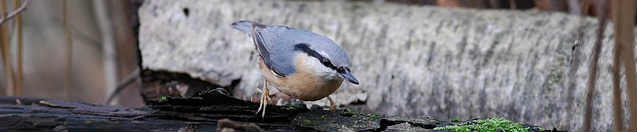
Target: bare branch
[592, 77]
[120, 87]
[109, 51]
[15, 12]
[624, 16]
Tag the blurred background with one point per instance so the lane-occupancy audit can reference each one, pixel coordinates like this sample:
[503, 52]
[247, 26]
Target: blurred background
[82, 50]
[57, 49]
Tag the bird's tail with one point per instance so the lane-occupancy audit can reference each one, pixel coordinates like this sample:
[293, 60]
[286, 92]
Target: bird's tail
[244, 26]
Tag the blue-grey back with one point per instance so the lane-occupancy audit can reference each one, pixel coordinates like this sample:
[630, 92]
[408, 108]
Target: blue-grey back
[279, 42]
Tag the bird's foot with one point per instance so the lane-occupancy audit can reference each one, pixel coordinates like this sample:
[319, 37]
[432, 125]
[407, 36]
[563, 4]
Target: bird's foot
[262, 104]
[332, 105]
[265, 98]
[260, 101]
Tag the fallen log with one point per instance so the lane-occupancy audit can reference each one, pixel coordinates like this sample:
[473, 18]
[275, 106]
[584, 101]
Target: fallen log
[200, 113]
[207, 111]
[211, 110]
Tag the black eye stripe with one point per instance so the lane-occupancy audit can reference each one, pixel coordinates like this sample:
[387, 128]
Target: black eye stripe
[326, 62]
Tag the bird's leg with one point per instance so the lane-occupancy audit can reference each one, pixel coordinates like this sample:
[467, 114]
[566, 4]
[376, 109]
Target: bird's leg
[262, 100]
[266, 97]
[263, 103]
[332, 105]
[260, 103]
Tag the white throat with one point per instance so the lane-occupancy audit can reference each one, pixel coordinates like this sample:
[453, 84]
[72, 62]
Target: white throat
[314, 65]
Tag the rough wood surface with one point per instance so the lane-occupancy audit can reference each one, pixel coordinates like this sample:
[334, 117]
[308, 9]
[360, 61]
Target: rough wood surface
[209, 110]
[201, 113]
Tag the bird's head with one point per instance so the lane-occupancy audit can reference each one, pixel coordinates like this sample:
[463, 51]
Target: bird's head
[332, 64]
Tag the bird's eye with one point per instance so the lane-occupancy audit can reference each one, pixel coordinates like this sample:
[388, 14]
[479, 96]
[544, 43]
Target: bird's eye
[341, 69]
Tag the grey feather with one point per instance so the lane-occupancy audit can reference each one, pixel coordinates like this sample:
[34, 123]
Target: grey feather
[276, 45]
[244, 26]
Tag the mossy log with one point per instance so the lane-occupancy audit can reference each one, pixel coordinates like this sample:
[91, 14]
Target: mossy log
[209, 110]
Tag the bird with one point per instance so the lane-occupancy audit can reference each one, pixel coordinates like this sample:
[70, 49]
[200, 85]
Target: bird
[299, 63]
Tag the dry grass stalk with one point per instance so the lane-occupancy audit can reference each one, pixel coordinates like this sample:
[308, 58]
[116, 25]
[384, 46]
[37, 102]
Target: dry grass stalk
[6, 47]
[68, 82]
[592, 77]
[19, 73]
[104, 24]
[13, 85]
[624, 16]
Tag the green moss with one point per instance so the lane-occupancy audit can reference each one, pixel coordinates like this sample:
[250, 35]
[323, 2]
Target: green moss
[349, 112]
[487, 125]
[373, 116]
[292, 107]
[163, 98]
[457, 119]
[307, 121]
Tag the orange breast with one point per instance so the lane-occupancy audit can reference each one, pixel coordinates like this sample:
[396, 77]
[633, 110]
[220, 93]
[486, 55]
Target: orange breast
[304, 84]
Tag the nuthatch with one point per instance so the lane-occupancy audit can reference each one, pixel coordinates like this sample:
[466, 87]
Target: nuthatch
[301, 64]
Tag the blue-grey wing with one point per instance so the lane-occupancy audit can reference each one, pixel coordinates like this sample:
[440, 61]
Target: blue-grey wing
[276, 51]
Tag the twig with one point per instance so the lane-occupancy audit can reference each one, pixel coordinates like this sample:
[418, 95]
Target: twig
[19, 73]
[129, 79]
[618, 113]
[68, 80]
[624, 15]
[12, 87]
[6, 47]
[13, 13]
[592, 77]
[105, 26]
[617, 106]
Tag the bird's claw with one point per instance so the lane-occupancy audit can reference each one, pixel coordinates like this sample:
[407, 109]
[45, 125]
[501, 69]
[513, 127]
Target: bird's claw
[263, 102]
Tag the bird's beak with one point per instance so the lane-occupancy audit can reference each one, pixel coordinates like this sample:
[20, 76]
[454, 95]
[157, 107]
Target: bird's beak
[348, 75]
